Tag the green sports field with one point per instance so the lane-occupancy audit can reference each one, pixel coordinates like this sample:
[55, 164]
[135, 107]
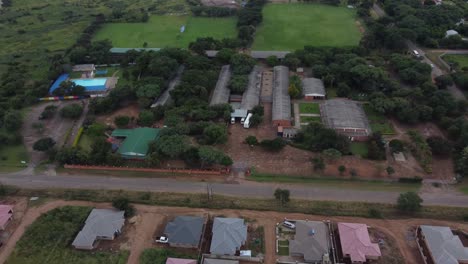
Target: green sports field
[164, 31]
[293, 26]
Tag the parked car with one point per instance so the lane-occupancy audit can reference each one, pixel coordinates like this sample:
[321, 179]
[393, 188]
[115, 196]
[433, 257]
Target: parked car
[162, 239]
[289, 225]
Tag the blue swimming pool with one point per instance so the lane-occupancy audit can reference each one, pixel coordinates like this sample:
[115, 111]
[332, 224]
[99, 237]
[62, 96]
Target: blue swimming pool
[92, 85]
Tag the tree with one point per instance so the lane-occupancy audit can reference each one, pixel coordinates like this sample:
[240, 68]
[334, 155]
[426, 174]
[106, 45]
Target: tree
[439, 146]
[100, 151]
[12, 121]
[72, 111]
[396, 145]
[48, 112]
[96, 130]
[121, 121]
[238, 83]
[409, 202]
[172, 146]
[214, 134]
[123, 204]
[390, 170]
[251, 140]
[44, 144]
[282, 195]
[293, 91]
[341, 169]
[210, 156]
[146, 118]
[443, 81]
[272, 61]
[225, 55]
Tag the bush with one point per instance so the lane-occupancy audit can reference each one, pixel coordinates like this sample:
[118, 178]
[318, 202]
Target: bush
[123, 204]
[121, 121]
[48, 112]
[71, 111]
[397, 145]
[238, 83]
[409, 202]
[276, 144]
[375, 213]
[44, 144]
[439, 146]
[251, 140]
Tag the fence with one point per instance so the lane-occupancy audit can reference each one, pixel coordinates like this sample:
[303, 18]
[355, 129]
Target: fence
[182, 171]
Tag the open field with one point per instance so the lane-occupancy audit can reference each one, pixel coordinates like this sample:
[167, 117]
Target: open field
[336, 182]
[164, 31]
[11, 157]
[309, 108]
[308, 119]
[292, 26]
[461, 60]
[378, 122]
[48, 239]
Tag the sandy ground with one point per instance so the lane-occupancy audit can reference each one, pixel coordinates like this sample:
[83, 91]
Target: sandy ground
[131, 110]
[150, 218]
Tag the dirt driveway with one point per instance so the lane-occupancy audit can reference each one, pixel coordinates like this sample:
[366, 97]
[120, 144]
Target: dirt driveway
[151, 217]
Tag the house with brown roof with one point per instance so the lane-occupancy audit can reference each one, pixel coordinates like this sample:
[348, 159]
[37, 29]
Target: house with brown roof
[6, 215]
[356, 244]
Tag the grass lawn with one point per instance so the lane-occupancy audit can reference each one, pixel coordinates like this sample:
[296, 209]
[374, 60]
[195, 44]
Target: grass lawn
[309, 108]
[85, 142]
[283, 249]
[359, 148]
[461, 60]
[164, 31]
[378, 122]
[48, 240]
[331, 93]
[308, 119]
[11, 157]
[336, 182]
[292, 26]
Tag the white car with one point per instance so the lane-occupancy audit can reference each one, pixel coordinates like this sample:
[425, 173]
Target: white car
[432, 65]
[289, 225]
[162, 239]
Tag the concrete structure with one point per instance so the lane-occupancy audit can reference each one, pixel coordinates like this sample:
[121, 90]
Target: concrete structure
[86, 69]
[251, 96]
[180, 261]
[136, 142]
[313, 88]
[6, 214]
[239, 113]
[450, 33]
[356, 244]
[439, 245]
[311, 241]
[101, 224]
[220, 261]
[258, 54]
[165, 97]
[281, 107]
[229, 234]
[221, 92]
[185, 231]
[346, 117]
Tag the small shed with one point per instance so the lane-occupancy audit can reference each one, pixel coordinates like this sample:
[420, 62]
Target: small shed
[239, 113]
[450, 33]
[313, 88]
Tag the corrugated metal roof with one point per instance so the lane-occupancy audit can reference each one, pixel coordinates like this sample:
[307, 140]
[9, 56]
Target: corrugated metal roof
[185, 230]
[219, 261]
[166, 96]
[100, 223]
[344, 114]
[445, 247]
[281, 108]
[313, 87]
[221, 91]
[311, 240]
[229, 234]
[251, 96]
[136, 141]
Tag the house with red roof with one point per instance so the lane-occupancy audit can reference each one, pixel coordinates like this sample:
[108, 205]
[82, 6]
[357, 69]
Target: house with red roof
[6, 214]
[356, 244]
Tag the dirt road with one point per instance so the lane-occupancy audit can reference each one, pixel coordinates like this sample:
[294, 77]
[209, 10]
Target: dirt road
[151, 217]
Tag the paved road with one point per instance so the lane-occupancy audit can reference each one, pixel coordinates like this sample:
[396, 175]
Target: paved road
[246, 189]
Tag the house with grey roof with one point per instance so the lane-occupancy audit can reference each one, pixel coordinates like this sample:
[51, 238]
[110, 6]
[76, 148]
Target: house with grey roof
[281, 106]
[101, 224]
[313, 88]
[251, 96]
[220, 261]
[440, 245]
[311, 241]
[185, 231]
[229, 234]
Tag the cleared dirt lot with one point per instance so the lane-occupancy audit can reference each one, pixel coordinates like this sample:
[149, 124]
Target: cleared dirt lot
[131, 110]
[139, 235]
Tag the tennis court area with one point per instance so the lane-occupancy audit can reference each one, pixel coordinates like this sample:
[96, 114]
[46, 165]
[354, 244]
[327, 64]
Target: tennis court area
[165, 31]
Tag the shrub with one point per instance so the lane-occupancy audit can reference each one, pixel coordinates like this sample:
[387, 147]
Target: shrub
[276, 144]
[251, 140]
[71, 111]
[44, 144]
[409, 202]
[121, 121]
[123, 204]
[375, 213]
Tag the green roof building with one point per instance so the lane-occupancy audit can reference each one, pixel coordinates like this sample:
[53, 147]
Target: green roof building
[136, 143]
